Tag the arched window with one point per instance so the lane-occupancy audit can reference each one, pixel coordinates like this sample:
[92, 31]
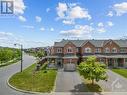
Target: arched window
[107, 50]
[69, 50]
[114, 50]
[88, 50]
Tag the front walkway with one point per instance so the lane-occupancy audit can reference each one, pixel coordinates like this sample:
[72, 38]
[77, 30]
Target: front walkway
[69, 82]
[115, 83]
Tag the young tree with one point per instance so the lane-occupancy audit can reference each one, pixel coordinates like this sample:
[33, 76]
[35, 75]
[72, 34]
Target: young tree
[93, 70]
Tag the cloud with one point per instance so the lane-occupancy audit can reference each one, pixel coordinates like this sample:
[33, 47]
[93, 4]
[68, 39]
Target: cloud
[68, 22]
[110, 14]
[100, 24]
[69, 12]
[5, 34]
[78, 31]
[42, 29]
[19, 7]
[48, 9]
[21, 18]
[120, 8]
[52, 29]
[61, 9]
[38, 19]
[101, 30]
[110, 23]
[28, 27]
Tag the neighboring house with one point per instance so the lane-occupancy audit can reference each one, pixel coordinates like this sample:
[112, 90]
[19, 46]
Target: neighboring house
[111, 52]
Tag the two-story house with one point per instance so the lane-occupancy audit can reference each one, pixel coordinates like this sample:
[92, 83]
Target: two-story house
[111, 52]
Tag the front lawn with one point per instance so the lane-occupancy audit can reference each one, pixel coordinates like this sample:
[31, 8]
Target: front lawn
[122, 72]
[39, 81]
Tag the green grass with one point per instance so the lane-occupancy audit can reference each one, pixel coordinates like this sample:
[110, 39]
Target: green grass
[122, 72]
[39, 81]
[9, 63]
[92, 88]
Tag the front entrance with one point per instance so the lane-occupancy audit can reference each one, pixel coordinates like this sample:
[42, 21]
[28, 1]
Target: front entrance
[59, 63]
[120, 62]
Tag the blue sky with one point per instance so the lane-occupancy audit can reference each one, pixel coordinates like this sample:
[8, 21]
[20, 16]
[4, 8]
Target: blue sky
[41, 22]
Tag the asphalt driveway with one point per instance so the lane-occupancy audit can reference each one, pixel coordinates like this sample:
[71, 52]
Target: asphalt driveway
[69, 82]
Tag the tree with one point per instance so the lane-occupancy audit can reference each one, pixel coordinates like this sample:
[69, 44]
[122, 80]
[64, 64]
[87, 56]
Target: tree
[92, 70]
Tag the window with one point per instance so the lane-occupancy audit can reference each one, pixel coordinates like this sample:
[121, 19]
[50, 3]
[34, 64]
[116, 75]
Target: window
[69, 50]
[107, 50]
[126, 60]
[122, 50]
[97, 50]
[114, 50]
[59, 50]
[88, 50]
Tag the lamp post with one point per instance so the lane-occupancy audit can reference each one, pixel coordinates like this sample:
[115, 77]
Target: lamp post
[21, 48]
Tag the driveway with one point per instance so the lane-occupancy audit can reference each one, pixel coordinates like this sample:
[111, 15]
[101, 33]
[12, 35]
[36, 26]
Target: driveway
[115, 83]
[6, 72]
[69, 82]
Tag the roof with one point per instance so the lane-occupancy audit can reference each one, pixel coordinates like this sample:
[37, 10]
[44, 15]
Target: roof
[96, 43]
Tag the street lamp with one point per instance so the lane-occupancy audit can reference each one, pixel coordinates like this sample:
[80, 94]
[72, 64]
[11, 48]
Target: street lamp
[21, 48]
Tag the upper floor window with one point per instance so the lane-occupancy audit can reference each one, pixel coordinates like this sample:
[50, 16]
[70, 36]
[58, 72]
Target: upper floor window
[88, 50]
[122, 50]
[97, 50]
[69, 50]
[59, 50]
[114, 50]
[107, 50]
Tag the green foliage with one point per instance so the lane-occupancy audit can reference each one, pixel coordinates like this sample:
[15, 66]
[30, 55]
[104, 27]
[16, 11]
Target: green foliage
[44, 66]
[7, 54]
[92, 70]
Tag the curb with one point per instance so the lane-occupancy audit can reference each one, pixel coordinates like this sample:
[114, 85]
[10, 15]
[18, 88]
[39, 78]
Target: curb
[25, 91]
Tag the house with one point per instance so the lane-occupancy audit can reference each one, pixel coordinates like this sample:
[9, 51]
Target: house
[111, 52]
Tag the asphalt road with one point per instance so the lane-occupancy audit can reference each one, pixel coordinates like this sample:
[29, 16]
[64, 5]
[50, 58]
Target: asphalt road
[8, 71]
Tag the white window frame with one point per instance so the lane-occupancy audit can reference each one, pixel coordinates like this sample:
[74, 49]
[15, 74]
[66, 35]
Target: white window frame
[59, 50]
[97, 50]
[69, 50]
[107, 50]
[114, 50]
[88, 50]
[122, 50]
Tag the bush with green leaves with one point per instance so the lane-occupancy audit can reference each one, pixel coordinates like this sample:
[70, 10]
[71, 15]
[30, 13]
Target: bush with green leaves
[7, 54]
[92, 70]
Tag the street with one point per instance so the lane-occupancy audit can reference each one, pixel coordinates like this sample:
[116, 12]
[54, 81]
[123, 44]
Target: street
[8, 71]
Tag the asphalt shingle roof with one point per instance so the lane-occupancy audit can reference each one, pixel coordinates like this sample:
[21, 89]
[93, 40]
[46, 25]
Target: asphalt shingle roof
[96, 43]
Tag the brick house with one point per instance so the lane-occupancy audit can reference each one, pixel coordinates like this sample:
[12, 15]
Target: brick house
[111, 52]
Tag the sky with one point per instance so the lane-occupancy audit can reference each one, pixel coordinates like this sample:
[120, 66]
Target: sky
[39, 23]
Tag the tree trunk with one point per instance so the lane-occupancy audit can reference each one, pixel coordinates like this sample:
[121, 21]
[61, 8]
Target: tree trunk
[92, 81]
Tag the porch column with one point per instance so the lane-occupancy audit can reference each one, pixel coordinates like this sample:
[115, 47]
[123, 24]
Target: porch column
[115, 62]
[106, 60]
[125, 63]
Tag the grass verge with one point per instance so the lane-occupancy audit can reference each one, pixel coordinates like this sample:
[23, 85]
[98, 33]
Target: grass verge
[9, 63]
[92, 88]
[122, 72]
[37, 81]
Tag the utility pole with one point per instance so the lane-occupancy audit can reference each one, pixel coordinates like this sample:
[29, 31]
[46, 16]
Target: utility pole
[21, 48]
